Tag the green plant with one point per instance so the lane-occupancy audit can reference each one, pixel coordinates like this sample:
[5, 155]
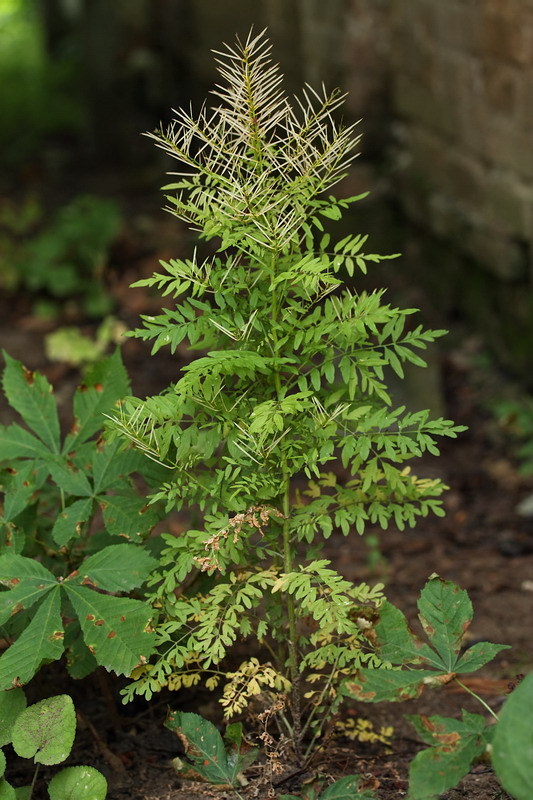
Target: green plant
[348, 788]
[290, 379]
[45, 732]
[445, 614]
[212, 759]
[70, 344]
[39, 96]
[66, 259]
[72, 527]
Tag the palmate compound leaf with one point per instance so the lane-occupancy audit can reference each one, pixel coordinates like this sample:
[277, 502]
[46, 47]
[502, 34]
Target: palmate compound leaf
[512, 753]
[204, 748]
[116, 630]
[445, 613]
[45, 731]
[117, 568]
[12, 703]
[30, 394]
[105, 384]
[454, 746]
[41, 640]
[78, 783]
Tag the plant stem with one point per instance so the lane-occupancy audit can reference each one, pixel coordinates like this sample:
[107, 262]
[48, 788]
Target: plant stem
[293, 659]
[32, 787]
[480, 699]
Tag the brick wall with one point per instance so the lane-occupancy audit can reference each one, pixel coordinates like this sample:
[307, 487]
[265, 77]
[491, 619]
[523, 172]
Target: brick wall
[462, 90]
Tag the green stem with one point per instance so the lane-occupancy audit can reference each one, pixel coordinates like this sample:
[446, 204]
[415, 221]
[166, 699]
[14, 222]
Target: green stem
[32, 787]
[292, 644]
[480, 699]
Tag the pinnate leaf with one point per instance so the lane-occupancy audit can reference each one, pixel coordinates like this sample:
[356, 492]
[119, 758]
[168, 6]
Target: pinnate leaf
[12, 703]
[116, 630]
[512, 753]
[118, 568]
[78, 783]
[45, 731]
[30, 394]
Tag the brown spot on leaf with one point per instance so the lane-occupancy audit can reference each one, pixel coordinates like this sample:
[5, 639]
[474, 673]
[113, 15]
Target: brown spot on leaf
[83, 388]
[28, 376]
[72, 574]
[88, 582]
[99, 623]
[356, 689]
[14, 581]
[111, 635]
[57, 635]
[98, 387]
[74, 428]
[90, 617]
[16, 608]
[123, 619]
[91, 648]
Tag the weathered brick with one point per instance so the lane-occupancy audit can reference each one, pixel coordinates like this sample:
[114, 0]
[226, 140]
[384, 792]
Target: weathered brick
[507, 202]
[507, 31]
[504, 88]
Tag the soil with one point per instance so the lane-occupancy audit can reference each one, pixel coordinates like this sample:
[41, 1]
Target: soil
[483, 544]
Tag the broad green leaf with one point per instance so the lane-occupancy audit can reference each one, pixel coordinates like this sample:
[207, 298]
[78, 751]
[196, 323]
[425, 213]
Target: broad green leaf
[204, 746]
[116, 630]
[111, 465]
[105, 383]
[6, 791]
[478, 655]
[80, 660]
[29, 581]
[128, 515]
[445, 614]
[45, 731]
[12, 703]
[30, 394]
[376, 685]
[456, 743]
[15, 442]
[117, 568]
[69, 478]
[512, 747]
[394, 639]
[19, 490]
[23, 792]
[42, 640]
[78, 783]
[69, 522]
[240, 754]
